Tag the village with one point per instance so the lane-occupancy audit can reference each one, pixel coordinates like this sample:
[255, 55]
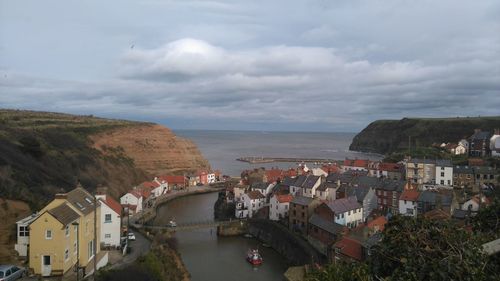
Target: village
[338, 208]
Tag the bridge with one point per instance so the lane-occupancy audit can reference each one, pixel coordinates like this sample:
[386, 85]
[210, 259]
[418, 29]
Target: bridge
[187, 226]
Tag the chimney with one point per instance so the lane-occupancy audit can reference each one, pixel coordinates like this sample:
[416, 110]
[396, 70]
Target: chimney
[61, 195]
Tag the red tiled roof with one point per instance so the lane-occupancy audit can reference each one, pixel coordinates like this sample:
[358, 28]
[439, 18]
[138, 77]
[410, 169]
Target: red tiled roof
[350, 247]
[285, 198]
[377, 223]
[273, 175]
[150, 184]
[146, 192]
[290, 173]
[409, 195]
[389, 167]
[115, 206]
[173, 179]
[136, 193]
[330, 168]
[255, 194]
[356, 163]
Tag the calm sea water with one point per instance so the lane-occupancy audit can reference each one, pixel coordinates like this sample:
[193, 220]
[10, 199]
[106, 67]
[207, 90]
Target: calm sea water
[221, 148]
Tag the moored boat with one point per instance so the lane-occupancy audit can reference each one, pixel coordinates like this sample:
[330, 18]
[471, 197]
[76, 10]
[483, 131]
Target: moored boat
[254, 257]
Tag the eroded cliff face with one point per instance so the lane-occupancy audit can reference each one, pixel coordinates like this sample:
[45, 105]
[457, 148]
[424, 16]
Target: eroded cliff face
[154, 149]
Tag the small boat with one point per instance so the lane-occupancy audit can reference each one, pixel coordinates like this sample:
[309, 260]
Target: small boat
[254, 257]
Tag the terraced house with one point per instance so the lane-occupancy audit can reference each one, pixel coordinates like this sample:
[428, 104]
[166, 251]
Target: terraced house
[63, 234]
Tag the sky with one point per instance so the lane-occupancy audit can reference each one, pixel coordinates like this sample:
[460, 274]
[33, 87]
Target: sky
[252, 65]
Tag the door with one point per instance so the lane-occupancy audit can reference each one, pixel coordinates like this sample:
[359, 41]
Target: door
[46, 266]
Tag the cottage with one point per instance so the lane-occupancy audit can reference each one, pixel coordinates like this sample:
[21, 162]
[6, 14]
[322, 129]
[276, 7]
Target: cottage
[479, 144]
[23, 235]
[301, 208]
[310, 185]
[54, 247]
[431, 200]
[345, 211]
[132, 201]
[444, 172]
[421, 171]
[327, 191]
[252, 202]
[463, 176]
[322, 233]
[388, 193]
[279, 206]
[408, 202]
[111, 212]
[366, 197]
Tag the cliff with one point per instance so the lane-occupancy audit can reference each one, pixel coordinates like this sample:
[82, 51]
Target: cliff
[43, 153]
[387, 136]
[153, 148]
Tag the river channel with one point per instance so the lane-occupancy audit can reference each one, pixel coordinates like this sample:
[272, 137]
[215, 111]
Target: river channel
[208, 257]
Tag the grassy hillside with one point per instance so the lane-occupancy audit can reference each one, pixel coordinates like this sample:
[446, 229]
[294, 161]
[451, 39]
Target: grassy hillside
[43, 153]
[387, 136]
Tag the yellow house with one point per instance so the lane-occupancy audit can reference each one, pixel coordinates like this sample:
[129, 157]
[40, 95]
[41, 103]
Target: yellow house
[63, 234]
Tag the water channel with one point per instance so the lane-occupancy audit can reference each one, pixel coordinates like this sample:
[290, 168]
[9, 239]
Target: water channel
[208, 257]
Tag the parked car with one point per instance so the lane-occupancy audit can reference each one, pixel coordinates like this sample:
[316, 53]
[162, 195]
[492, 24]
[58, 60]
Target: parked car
[171, 224]
[131, 236]
[11, 272]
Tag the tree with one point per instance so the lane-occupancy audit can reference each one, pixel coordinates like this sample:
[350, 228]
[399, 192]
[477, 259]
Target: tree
[341, 271]
[424, 249]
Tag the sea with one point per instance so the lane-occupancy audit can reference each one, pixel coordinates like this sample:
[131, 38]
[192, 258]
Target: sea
[222, 148]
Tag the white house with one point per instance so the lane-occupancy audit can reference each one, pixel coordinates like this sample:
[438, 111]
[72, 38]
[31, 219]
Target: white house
[279, 206]
[23, 235]
[319, 172]
[474, 203]
[444, 172]
[327, 191]
[211, 178]
[347, 211]
[366, 197]
[408, 202]
[157, 187]
[310, 185]
[111, 212]
[253, 200]
[262, 187]
[132, 200]
[296, 186]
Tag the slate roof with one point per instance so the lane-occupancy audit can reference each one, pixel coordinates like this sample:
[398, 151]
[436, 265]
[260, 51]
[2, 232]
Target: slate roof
[463, 170]
[365, 181]
[288, 181]
[300, 181]
[460, 214]
[424, 161]
[328, 226]
[444, 163]
[325, 185]
[391, 185]
[486, 170]
[302, 200]
[81, 199]
[259, 185]
[358, 191]
[310, 181]
[64, 214]
[433, 197]
[482, 135]
[344, 205]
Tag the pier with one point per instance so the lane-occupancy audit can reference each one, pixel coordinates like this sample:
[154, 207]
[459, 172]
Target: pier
[260, 160]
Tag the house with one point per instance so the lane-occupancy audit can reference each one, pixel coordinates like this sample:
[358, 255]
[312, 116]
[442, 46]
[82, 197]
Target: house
[431, 200]
[355, 165]
[263, 187]
[495, 143]
[344, 211]
[376, 225]
[421, 171]
[484, 175]
[463, 176]
[63, 234]
[301, 209]
[310, 185]
[322, 233]
[319, 172]
[279, 206]
[475, 203]
[388, 193]
[444, 172]
[23, 235]
[462, 147]
[408, 202]
[296, 186]
[391, 171]
[253, 201]
[175, 182]
[211, 178]
[479, 144]
[111, 213]
[326, 191]
[154, 188]
[366, 197]
[348, 249]
[273, 175]
[132, 201]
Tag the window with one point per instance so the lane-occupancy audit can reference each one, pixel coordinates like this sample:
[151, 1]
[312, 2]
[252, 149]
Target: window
[442, 182]
[24, 231]
[66, 254]
[442, 174]
[107, 235]
[442, 168]
[405, 201]
[48, 234]
[107, 218]
[449, 182]
[66, 231]
[385, 201]
[342, 215]
[349, 213]
[286, 207]
[91, 249]
[409, 211]
[385, 193]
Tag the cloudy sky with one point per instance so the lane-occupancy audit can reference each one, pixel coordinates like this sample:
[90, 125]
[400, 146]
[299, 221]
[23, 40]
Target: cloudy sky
[253, 65]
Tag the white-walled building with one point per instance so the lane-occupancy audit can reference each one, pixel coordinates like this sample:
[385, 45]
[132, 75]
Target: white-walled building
[408, 202]
[347, 211]
[23, 235]
[111, 212]
[133, 201]
[444, 172]
[327, 191]
[310, 185]
[279, 206]
[253, 200]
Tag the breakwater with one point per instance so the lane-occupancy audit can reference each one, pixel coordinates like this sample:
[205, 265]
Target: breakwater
[259, 160]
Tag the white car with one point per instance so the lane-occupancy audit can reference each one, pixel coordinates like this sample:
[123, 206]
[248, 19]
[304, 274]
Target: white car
[131, 236]
[11, 272]
[171, 224]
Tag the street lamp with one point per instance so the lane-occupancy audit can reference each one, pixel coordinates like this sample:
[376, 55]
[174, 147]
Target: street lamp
[77, 249]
